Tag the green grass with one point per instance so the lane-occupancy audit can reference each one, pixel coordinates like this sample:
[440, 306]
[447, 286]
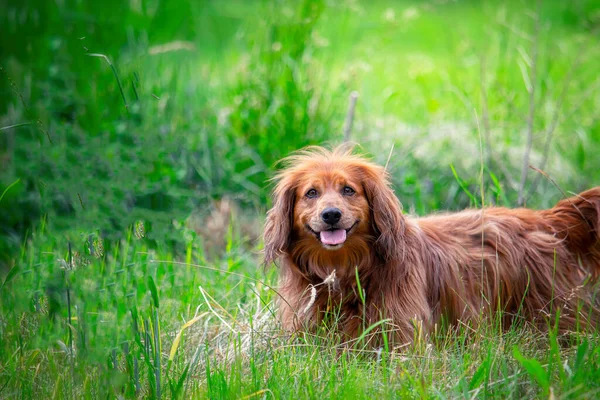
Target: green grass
[106, 325]
[130, 208]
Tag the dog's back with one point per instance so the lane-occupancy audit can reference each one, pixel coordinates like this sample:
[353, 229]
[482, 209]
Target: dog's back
[520, 261]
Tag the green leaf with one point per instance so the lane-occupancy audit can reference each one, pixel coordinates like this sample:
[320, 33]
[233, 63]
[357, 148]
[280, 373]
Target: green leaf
[480, 374]
[370, 328]
[498, 188]
[8, 188]
[463, 186]
[153, 291]
[580, 155]
[534, 369]
[176, 388]
[582, 350]
[361, 292]
[11, 274]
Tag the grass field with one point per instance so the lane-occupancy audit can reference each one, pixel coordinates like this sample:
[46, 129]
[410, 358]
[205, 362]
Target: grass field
[137, 139]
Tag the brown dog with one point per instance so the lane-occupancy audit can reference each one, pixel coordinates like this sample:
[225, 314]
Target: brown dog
[347, 250]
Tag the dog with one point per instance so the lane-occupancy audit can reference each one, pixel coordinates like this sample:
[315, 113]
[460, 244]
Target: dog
[348, 253]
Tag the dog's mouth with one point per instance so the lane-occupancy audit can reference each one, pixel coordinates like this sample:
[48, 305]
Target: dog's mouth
[334, 237]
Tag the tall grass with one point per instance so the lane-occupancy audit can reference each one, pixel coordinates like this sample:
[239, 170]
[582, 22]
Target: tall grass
[139, 328]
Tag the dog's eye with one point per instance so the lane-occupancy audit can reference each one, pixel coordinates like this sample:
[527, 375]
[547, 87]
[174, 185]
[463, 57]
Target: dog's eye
[311, 194]
[348, 191]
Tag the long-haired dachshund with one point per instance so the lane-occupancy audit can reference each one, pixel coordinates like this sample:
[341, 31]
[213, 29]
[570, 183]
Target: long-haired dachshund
[346, 250]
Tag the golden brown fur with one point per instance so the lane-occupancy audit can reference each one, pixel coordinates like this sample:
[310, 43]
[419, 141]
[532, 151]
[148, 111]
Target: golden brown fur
[451, 267]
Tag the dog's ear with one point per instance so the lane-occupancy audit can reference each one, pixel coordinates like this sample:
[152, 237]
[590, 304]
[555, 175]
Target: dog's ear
[386, 214]
[278, 226]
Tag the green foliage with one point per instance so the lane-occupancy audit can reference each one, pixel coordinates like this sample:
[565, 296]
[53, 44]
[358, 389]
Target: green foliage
[279, 104]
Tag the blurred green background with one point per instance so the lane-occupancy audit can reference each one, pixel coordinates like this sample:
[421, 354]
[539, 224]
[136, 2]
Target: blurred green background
[132, 131]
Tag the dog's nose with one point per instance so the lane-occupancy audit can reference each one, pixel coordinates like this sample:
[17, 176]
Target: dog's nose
[331, 215]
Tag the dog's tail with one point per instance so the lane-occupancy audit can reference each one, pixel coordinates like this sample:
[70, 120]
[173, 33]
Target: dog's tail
[577, 221]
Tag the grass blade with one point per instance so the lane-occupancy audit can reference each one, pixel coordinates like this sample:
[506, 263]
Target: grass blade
[534, 369]
[153, 291]
[8, 188]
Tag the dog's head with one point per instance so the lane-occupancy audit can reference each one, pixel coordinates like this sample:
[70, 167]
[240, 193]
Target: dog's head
[332, 201]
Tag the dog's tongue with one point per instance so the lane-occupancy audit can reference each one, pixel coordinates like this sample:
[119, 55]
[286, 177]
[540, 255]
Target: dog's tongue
[333, 238]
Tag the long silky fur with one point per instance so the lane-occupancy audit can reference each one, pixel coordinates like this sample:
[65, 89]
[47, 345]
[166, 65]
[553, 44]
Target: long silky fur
[524, 263]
